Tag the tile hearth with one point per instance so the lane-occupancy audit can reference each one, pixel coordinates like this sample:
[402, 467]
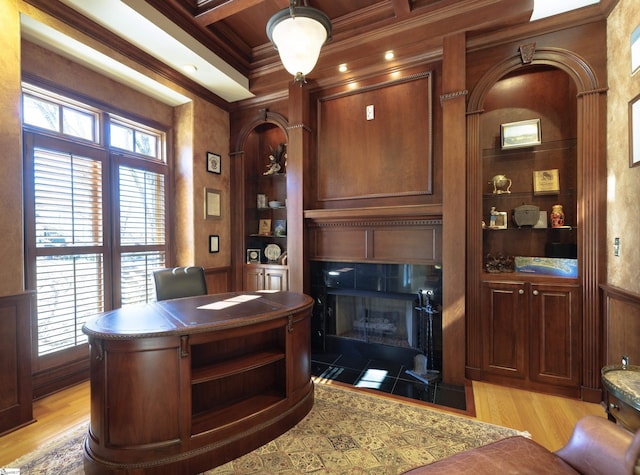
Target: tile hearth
[386, 376]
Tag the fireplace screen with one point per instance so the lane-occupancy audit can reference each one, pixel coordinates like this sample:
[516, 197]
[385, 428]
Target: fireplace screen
[386, 305]
[373, 319]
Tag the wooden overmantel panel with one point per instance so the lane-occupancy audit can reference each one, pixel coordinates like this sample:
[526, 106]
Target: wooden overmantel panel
[376, 142]
[378, 235]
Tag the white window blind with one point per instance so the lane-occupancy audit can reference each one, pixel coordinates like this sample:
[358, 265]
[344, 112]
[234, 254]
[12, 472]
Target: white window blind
[142, 230]
[68, 199]
[141, 207]
[68, 211]
[137, 276]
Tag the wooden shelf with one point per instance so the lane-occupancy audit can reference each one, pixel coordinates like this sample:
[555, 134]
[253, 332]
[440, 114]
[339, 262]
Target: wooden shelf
[235, 366]
[270, 236]
[229, 413]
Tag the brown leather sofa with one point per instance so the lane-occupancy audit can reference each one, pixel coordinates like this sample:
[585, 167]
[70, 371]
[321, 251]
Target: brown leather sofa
[596, 447]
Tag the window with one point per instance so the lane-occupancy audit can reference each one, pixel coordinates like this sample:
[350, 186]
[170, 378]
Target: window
[58, 115]
[133, 139]
[95, 217]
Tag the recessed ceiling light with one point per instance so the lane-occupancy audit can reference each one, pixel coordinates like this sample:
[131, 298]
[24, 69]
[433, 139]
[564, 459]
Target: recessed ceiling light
[189, 68]
[389, 55]
[342, 68]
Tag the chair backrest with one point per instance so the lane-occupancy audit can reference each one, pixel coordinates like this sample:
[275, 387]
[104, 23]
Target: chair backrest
[179, 282]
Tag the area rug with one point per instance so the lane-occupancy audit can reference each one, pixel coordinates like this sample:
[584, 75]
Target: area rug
[348, 431]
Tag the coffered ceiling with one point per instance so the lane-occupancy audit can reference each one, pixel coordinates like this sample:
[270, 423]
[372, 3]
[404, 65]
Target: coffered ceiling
[363, 30]
[227, 43]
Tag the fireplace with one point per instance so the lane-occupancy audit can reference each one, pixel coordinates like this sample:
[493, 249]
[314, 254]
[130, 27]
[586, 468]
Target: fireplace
[381, 311]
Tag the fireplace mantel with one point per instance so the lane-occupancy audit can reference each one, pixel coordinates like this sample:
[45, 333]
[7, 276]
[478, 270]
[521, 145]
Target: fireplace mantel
[403, 234]
[355, 215]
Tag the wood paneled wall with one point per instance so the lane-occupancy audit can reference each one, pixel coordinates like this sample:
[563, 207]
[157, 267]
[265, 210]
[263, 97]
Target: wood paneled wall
[219, 280]
[376, 142]
[621, 311]
[15, 361]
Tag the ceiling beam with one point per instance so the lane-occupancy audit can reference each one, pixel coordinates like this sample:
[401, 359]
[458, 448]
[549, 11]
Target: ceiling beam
[226, 9]
[402, 8]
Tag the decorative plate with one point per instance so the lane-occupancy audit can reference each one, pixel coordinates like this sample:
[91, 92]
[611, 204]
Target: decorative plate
[272, 252]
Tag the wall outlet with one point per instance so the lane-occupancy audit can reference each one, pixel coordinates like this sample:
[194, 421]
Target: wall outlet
[369, 110]
[616, 247]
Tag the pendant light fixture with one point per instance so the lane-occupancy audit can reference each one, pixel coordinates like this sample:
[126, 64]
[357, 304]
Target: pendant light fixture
[298, 33]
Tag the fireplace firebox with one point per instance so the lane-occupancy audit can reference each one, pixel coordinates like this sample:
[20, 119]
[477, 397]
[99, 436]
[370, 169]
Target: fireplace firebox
[381, 311]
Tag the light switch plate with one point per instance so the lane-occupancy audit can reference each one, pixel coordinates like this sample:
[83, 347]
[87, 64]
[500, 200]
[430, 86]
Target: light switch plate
[370, 112]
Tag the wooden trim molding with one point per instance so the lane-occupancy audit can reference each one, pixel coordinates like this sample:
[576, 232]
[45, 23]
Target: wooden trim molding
[410, 235]
[264, 116]
[378, 212]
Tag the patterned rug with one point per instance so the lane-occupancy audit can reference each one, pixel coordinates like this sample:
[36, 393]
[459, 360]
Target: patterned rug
[348, 431]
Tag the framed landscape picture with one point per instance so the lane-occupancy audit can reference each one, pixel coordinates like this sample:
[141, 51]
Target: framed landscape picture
[524, 133]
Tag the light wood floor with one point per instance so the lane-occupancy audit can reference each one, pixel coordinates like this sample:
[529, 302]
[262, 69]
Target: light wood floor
[549, 419]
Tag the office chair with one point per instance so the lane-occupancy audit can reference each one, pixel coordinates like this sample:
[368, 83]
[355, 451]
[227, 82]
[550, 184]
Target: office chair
[179, 282]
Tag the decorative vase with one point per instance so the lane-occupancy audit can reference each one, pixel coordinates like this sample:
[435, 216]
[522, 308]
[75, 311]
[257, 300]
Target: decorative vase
[557, 216]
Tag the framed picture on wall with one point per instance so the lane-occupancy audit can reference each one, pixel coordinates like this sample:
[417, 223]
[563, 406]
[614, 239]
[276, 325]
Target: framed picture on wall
[635, 50]
[214, 163]
[214, 243]
[212, 204]
[634, 131]
[524, 133]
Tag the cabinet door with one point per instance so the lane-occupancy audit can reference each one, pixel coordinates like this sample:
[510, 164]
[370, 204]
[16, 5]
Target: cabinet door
[253, 278]
[555, 334]
[276, 278]
[504, 316]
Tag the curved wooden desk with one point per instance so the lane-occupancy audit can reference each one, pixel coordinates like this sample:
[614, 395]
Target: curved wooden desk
[184, 385]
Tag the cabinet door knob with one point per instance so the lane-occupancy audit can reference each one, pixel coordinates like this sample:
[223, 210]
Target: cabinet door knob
[614, 406]
[535, 292]
[521, 291]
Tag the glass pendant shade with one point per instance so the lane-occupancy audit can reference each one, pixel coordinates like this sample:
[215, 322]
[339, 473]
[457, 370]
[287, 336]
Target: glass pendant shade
[298, 34]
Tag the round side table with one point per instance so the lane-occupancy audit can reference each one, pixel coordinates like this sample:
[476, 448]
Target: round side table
[622, 394]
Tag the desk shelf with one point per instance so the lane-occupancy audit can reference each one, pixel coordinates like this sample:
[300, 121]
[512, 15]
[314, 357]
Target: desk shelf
[240, 365]
[226, 414]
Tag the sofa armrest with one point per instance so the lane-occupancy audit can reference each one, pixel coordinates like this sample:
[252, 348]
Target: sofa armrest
[599, 446]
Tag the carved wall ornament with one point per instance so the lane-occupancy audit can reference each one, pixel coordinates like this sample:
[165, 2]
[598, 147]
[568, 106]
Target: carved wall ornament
[526, 52]
[452, 95]
[299, 126]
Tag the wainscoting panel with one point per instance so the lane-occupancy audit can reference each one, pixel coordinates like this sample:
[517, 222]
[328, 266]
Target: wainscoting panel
[622, 325]
[15, 358]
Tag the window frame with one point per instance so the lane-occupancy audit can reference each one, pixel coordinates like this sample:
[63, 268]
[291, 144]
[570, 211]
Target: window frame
[111, 250]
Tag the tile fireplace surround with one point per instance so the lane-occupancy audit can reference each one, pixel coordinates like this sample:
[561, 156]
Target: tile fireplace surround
[373, 309]
[368, 326]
